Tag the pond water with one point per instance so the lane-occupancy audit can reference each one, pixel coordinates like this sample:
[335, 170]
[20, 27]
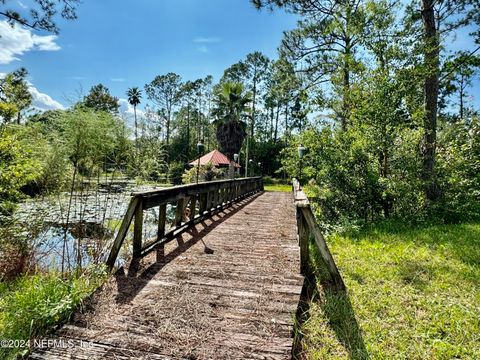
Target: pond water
[85, 233]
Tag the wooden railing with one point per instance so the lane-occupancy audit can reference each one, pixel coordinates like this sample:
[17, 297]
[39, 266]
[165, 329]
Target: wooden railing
[193, 204]
[307, 226]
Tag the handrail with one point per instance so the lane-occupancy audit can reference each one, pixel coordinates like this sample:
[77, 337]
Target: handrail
[306, 226]
[210, 197]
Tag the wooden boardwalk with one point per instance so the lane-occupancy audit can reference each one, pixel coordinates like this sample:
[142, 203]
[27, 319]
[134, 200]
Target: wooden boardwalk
[227, 288]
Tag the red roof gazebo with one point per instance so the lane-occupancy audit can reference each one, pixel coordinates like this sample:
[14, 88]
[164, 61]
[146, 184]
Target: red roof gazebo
[214, 157]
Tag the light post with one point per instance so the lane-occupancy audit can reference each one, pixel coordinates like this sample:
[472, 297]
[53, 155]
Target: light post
[301, 152]
[235, 158]
[259, 168]
[250, 162]
[200, 150]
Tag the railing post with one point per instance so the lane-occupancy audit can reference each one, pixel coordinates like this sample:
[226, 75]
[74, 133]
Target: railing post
[179, 212]
[222, 196]
[210, 197]
[215, 197]
[193, 204]
[138, 229]
[303, 237]
[203, 203]
[162, 218]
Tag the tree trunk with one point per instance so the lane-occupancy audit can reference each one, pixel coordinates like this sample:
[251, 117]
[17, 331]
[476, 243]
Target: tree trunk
[252, 130]
[187, 148]
[167, 138]
[246, 157]
[346, 86]
[272, 116]
[432, 63]
[286, 119]
[462, 95]
[277, 117]
[136, 127]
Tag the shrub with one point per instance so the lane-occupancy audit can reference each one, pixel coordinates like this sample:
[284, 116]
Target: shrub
[175, 171]
[17, 166]
[207, 173]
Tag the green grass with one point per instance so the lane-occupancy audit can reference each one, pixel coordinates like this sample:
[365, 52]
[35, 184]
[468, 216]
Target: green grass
[32, 304]
[413, 293]
[278, 187]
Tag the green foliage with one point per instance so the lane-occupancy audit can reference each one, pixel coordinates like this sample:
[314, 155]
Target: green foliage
[32, 305]
[268, 154]
[344, 181]
[175, 172]
[17, 165]
[459, 171]
[89, 136]
[7, 111]
[412, 293]
[40, 14]
[152, 165]
[164, 91]
[231, 106]
[39, 158]
[207, 173]
[371, 170]
[48, 151]
[99, 99]
[14, 94]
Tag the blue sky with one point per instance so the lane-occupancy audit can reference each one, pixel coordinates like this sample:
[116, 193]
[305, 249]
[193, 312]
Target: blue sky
[125, 43]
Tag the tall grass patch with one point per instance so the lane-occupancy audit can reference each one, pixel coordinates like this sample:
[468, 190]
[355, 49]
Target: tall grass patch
[31, 305]
[412, 293]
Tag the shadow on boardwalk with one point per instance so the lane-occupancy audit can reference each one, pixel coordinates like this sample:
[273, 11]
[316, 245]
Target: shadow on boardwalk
[130, 284]
[227, 289]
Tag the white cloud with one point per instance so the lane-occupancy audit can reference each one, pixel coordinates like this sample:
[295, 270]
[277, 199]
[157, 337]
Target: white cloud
[206, 40]
[127, 109]
[117, 80]
[42, 101]
[202, 49]
[15, 41]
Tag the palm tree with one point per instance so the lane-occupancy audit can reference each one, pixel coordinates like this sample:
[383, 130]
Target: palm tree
[134, 96]
[231, 107]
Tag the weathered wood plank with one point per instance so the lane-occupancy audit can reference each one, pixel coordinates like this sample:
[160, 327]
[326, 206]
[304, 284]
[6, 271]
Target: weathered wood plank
[138, 230]
[179, 211]
[323, 247]
[303, 239]
[162, 218]
[228, 290]
[192, 207]
[122, 232]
